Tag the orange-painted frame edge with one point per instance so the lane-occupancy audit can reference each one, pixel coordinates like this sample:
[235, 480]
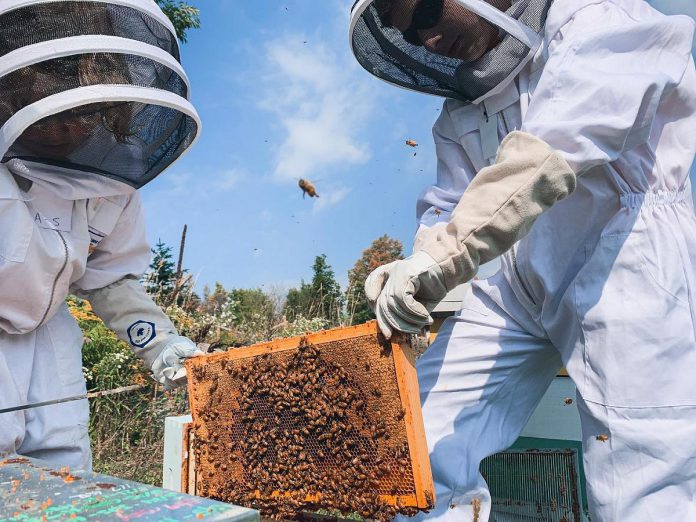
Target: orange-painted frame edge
[407, 382]
[288, 343]
[405, 366]
[186, 457]
[188, 462]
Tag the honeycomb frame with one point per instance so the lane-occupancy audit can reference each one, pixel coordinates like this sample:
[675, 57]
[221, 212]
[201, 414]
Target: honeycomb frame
[397, 381]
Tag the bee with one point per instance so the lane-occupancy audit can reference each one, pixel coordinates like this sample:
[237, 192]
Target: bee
[568, 401]
[476, 507]
[411, 143]
[438, 211]
[308, 188]
[602, 437]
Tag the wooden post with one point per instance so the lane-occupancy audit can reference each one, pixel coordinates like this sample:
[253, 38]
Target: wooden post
[182, 245]
[178, 284]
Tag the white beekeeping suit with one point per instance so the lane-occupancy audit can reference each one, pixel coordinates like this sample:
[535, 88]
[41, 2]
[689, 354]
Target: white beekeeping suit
[93, 105]
[603, 282]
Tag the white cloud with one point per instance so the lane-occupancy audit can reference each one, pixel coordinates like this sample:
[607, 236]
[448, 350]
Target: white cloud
[228, 179]
[178, 182]
[184, 182]
[323, 104]
[329, 199]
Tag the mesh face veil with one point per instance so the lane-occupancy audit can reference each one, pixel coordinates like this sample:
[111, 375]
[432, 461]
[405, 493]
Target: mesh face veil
[463, 49]
[95, 85]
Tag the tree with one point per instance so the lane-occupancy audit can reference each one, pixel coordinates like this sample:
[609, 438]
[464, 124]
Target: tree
[322, 298]
[383, 250]
[249, 305]
[161, 276]
[182, 15]
[214, 303]
[298, 302]
[326, 291]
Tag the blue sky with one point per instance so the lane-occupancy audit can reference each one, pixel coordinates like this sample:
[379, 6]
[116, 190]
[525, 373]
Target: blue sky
[281, 98]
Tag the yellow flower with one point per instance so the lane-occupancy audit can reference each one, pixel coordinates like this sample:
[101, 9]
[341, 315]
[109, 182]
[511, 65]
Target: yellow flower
[81, 312]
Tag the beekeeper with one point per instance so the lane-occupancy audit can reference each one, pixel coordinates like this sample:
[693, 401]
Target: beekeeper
[93, 105]
[564, 145]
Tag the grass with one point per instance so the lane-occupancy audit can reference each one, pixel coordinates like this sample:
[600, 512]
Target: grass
[127, 433]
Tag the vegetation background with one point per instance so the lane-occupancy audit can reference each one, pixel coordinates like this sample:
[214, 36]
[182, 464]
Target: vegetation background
[127, 430]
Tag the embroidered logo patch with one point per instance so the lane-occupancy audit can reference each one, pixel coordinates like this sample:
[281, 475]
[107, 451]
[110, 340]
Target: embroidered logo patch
[95, 237]
[141, 332]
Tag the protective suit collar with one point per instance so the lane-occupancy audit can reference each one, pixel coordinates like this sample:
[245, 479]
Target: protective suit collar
[67, 183]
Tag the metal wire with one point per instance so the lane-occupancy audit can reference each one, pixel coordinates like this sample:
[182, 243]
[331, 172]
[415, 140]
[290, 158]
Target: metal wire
[534, 485]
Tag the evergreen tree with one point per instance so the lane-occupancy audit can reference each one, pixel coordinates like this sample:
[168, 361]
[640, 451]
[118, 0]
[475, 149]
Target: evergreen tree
[322, 298]
[161, 276]
[326, 292]
[383, 250]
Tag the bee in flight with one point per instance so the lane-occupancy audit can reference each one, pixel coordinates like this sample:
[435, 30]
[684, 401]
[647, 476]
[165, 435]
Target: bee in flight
[308, 188]
[411, 143]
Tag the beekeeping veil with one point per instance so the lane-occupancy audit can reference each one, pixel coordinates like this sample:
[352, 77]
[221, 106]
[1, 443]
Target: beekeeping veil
[93, 85]
[387, 53]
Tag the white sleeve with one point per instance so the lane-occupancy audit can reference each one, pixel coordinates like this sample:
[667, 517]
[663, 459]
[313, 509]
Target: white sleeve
[499, 207]
[124, 252]
[127, 309]
[606, 74]
[454, 173]
[111, 284]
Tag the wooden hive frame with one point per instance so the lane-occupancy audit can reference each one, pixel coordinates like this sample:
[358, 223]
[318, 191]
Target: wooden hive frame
[403, 360]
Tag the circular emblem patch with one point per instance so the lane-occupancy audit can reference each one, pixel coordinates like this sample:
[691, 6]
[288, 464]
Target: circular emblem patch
[141, 332]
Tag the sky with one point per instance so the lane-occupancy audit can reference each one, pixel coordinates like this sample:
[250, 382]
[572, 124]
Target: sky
[282, 98]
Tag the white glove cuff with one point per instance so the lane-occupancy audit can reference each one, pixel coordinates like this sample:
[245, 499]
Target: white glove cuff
[168, 368]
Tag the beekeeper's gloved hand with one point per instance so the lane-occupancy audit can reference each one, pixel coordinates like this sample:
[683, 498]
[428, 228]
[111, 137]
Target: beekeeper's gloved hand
[128, 310]
[168, 368]
[403, 293]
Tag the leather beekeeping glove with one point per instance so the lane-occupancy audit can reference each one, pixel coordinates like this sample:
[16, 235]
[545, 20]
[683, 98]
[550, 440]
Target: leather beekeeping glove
[128, 310]
[499, 207]
[403, 293]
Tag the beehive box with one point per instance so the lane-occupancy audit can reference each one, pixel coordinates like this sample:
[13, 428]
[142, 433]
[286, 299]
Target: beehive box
[328, 420]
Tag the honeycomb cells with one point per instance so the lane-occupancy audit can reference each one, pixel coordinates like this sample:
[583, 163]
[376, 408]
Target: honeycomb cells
[315, 426]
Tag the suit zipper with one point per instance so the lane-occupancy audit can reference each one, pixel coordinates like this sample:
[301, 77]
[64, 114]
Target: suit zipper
[505, 124]
[55, 281]
[519, 276]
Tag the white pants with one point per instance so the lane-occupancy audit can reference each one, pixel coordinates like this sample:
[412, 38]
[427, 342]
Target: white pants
[39, 366]
[480, 382]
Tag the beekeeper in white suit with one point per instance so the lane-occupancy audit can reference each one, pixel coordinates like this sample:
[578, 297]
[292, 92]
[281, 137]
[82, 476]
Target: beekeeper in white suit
[564, 145]
[93, 105]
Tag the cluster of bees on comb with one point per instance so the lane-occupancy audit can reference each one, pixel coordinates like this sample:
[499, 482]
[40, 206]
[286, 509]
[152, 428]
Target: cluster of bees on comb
[301, 441]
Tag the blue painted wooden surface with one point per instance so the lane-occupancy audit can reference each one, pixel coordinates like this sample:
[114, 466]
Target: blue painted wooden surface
[32, 491]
